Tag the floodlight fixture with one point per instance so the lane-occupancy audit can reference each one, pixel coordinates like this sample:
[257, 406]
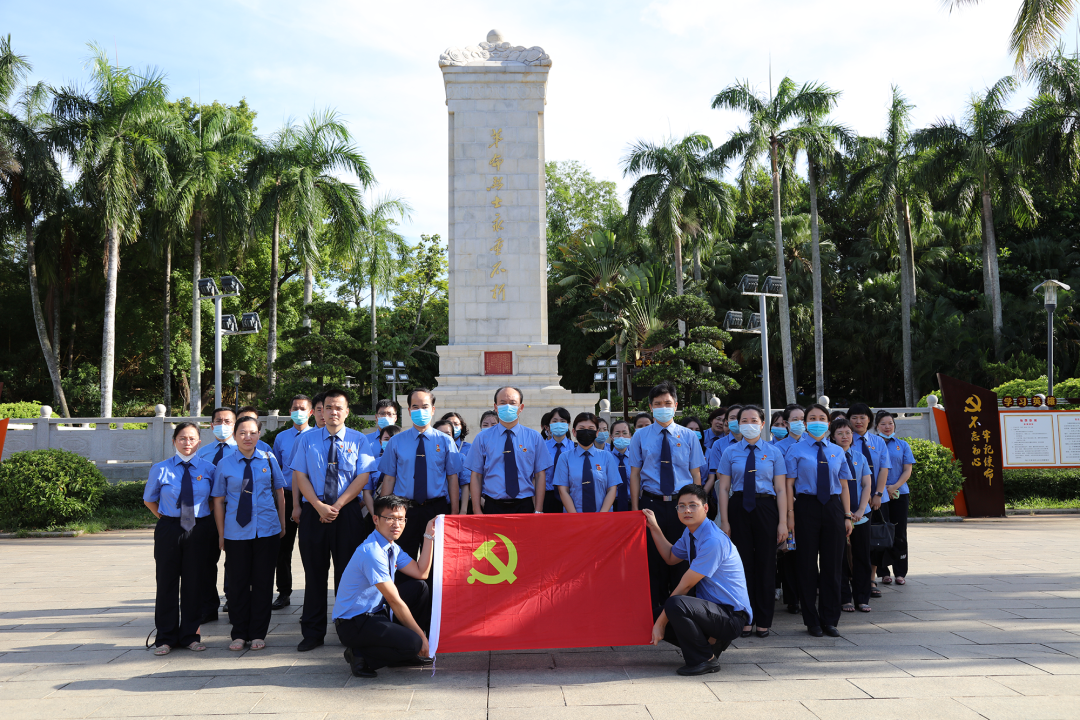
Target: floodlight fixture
[207, 287]
[774, 285]
[402, 377]
[387, 364]
[401, 363]
[612, 376]
[748, 284]
[755, 323]
[230, 285]
[249, 322]
[228, 324]
[389, 378]
[733, 320]
[601, 363]
[598, 377]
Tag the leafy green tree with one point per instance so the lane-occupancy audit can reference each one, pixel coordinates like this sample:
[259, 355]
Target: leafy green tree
[1038, 25]
[577, 203]
[115, 135]
[771, 130]
[319, 355]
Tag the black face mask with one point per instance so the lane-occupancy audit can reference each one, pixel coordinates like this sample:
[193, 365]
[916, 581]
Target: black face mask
[586, 437]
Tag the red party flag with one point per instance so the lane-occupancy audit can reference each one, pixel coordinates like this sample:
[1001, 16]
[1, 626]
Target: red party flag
[522, 582]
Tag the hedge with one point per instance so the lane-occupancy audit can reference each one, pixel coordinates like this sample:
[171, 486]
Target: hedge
[936, 476]
[1051, 484]
[45, 488]
[124, 495]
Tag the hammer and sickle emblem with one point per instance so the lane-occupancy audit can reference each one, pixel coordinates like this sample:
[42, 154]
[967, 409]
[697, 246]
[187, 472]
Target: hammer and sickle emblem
[973, 404]
[505, 571]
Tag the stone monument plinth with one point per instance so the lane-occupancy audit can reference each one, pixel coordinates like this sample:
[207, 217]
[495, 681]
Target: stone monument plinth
[497, 246]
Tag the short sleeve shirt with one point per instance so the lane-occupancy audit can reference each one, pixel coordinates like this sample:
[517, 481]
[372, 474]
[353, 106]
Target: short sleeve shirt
[802, 465]
[645, 449]
[266, 478]
[716, 558]
[571, 468]
[163, 485]
[768, 462]
[376, 561]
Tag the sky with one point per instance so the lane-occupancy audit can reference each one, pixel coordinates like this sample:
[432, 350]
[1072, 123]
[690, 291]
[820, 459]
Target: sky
[621, 71]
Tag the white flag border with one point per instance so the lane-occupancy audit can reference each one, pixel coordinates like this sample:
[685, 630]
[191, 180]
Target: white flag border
[436, 601]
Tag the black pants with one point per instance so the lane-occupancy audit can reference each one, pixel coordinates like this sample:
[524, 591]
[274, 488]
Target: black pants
[250, 565]
[181, 568]
[380, 641]
[855, 581]
[552, 501]
[416, 519]
[285, 549]
[819, 533]
[754, 535]
[209, 592]
[319, 544]
[879, 517]
[898, 555]
[692, 621]
[663, 578]
[789, 575]
[524, 506]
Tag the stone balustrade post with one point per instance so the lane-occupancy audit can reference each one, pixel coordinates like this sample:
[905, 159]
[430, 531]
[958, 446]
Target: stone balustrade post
[42, 429]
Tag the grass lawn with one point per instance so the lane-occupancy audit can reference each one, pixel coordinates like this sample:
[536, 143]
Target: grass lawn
[106, 518]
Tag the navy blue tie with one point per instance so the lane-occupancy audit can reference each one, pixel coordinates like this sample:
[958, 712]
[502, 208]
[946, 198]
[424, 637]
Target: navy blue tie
[330, 484]
[749, 480]
[622, 499]
[220, 452]
[588, 490]
[822, 474]
[420, 471]
[186, 503]
[853, 485]
[667, 470]
[510, 471]
[558, 454]
[866, 454]
[243, 508]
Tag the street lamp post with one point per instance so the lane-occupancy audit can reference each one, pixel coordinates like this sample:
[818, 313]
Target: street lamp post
[237, 374]
[758, 324]
[1050, 291]
[608, 372]
[395, 375]
[226, 324]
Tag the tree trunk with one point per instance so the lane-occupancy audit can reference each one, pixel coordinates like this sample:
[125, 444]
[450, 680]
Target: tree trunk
[195, 382]
[108, 336]
[815, 237]
[271, 336]
[679, 278]
[697, 262]
[907, 296]
[309, 282]
[374, 351]
[785, 315]
[626, 392]
[166, 355]
[74, 326]
[991, 283]
[39, 321]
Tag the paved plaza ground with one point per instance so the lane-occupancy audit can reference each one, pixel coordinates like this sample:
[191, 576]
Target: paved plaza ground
[987, 626]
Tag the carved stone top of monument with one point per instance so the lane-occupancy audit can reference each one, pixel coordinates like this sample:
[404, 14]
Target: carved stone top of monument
[495, 51]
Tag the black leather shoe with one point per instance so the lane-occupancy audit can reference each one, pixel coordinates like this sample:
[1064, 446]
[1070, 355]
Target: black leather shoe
[815, 631]
[282, 601]
[745, 633]
[309, 644]
[831, 631]
[793, 608]
[709, 666]
[225, 607]
[413, 662]
[364, 672]
[763, 633]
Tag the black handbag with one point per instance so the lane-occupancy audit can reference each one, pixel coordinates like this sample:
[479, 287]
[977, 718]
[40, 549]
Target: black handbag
[882, 534]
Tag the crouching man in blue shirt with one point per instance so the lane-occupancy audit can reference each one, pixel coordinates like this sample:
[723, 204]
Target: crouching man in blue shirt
[702, 626]
[383, 624]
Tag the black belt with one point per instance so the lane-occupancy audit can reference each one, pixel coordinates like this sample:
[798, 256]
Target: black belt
[431, 501]
[384, 611]
[203, 519]
[506, 501]
[814, 495]
[760, 495]
[659, 498]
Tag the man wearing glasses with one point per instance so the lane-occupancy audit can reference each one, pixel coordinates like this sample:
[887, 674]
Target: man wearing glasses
[702, 625]
[383, 622]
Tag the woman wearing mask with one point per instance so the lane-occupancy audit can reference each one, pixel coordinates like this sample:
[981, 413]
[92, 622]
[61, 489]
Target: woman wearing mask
[855, 580]
[754, 473]
[602, 435]
[718, 448]
[691, 422]
[375, 480]
[717, 426]
[642, 420]
[178, 493]
[587, 479]
[490, 418]
[794, 417]
[559, 443]
[897, 489]
[461, 431]
[620, 449]
[817, 473]
[777, 427]
[249, 508]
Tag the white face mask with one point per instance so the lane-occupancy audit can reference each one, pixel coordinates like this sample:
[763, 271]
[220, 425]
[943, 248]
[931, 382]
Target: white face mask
[185, 458]
[750, 432]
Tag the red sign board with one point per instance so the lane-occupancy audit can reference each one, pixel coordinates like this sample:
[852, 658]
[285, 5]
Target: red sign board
[972, 414]
[498, 363]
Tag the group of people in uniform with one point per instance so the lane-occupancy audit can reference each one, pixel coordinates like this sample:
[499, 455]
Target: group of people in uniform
[722, 500]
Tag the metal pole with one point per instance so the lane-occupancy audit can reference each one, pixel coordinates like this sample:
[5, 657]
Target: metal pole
[1050, 350]
[765, 392]
[217, 351]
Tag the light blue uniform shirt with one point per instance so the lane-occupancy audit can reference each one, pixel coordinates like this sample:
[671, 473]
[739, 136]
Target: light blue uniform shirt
[605, 472]
[309, 457]
[266, 478]
[716, 558]
[486, 458]
[464, 475]
[878, 454]
[163, 485]
[373, 442]
[802, 462]
[716, 451]
[440, 453]
[768, 462]
[899, 455]
[855, 486]
[567, 445]
[370, 566]
[710, 437]
[284, 444]
[685, 454]
[785, 445]
[209, 452]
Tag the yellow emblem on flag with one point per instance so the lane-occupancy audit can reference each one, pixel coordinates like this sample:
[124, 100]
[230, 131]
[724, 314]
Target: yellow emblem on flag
[505, 570]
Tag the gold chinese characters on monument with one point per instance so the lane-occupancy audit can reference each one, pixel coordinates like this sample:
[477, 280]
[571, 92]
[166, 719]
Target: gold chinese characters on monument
[498, 290]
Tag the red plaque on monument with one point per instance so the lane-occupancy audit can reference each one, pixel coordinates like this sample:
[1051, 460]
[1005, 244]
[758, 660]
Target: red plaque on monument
[498, 363]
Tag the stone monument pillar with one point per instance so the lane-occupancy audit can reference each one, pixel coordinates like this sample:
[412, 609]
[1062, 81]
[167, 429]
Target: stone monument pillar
[495, 95]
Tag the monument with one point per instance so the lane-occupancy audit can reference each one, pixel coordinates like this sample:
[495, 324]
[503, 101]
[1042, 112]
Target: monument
[497, 247]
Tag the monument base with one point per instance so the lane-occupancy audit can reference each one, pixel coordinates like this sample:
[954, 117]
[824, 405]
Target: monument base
[469, 375]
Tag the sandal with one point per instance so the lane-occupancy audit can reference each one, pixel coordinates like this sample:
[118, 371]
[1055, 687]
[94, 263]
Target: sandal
[162, 650]
[863, 608]
[258, 644]
[874, 592]
[196, 646]
[901, 581]
[887, 579]
[237, 645]
[847, 607]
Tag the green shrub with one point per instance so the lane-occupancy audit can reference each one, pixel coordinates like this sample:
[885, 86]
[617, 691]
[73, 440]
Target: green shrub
[1027, 388]
[935, 478]
[43, 488]
[1053, 484]
[21, 410]
[124, 495]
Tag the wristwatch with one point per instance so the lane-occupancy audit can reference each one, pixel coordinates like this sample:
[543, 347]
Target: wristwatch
[429, 537]
[877, 494]
[848, 516]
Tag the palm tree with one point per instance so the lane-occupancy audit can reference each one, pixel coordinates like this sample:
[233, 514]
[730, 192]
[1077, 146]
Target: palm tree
[678, 190]
[771, 130]
[976, 159]
[373, 256]
[204, 182]
[885, 170]
[1048, 136]
[293, 174]
[1038, 25]
[114, 135]
[30, 182]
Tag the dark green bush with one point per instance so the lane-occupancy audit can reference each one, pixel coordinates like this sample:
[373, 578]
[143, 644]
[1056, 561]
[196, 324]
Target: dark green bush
[44, 488]
[124, 495]
[21, 410]
[1052, 484]
[935, 478]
